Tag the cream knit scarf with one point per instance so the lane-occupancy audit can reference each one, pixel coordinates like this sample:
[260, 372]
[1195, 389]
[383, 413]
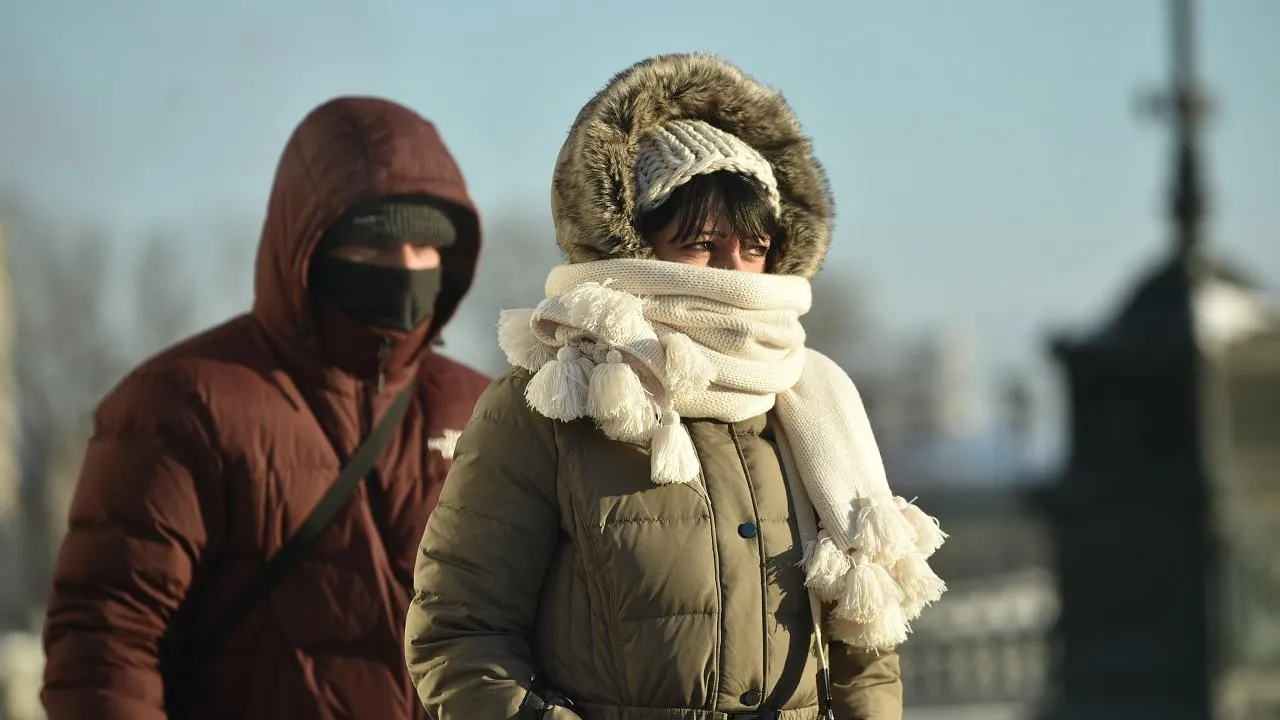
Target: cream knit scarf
[636, 344]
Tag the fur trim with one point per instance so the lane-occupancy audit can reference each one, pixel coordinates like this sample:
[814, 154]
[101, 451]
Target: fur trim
[594, 186]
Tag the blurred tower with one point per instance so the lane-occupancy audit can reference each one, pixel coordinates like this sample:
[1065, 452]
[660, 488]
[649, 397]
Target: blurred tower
[939, 388]
[1166, 520]
[1019, 410]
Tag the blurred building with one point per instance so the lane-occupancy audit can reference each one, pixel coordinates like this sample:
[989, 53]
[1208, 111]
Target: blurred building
[1166, 521]
[986, 646]
[845, 326]
[1242, 443]
[1167, 517]
[984, 650]
[924, 395]
[938, 388]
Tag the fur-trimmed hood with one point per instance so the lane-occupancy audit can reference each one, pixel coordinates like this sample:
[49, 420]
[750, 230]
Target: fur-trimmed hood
[593, 190]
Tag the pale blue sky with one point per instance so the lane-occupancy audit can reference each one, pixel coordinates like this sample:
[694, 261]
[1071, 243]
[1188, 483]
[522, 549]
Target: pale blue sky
[989, 165]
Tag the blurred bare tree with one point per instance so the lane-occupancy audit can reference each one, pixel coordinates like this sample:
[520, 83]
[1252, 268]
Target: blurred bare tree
[8, 399]
[10, 521]
[160, 280]
[74, 341]
[844, 324]
[519, 249]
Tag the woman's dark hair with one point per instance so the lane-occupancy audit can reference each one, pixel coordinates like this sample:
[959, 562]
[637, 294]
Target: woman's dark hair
[695, 203]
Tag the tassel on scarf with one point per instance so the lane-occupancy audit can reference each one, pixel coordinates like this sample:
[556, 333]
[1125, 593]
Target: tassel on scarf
[920, 585]
[929, 534]
[869, 591]
[672, 457]
[605, 311]
[519, 344]
[687, 370]
[825, 566]
[559, 388]
[618, 401]
[885, 632]
[883, 533]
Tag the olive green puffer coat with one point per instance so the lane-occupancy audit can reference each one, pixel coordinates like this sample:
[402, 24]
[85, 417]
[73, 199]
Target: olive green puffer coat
[552, 552]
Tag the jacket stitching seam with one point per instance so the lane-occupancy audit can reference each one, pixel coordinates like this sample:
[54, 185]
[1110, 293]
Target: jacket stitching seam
[605, 585]
[667, 616]
[719, 580]
[656, 521]
[764, 578]
[479, 516]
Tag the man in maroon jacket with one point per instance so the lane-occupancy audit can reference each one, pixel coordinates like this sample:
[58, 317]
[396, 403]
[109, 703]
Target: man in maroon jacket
[207, 459]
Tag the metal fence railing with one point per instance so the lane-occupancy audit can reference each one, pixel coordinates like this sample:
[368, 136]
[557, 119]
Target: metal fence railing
[987, 642]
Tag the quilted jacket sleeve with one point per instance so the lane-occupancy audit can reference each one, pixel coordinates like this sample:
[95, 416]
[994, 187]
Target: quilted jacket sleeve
[865, 685]
[143, 517]
[482, 561]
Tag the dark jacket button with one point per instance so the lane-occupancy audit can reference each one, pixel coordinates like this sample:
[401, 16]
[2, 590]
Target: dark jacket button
[751, 698]
[747, 530]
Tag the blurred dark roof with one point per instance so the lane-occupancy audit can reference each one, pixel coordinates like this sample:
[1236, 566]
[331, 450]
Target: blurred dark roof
[1197, 292]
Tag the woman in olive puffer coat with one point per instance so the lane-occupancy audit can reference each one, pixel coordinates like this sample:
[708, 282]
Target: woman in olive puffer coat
[648, 513]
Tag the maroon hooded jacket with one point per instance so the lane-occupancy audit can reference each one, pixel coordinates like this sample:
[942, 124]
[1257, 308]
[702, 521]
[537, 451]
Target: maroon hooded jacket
[205, 459]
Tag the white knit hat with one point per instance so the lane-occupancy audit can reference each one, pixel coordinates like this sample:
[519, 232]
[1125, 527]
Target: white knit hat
[677, 151]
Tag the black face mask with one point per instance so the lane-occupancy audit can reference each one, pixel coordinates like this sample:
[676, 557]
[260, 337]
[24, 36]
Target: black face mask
[375, 295]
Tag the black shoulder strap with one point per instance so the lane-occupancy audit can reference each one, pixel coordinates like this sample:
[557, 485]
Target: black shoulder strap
[200, 652]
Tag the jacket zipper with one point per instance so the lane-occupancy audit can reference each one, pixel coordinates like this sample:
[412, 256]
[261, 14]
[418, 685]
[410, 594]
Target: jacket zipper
[379, 384]
[369, 391]
[384, 351]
